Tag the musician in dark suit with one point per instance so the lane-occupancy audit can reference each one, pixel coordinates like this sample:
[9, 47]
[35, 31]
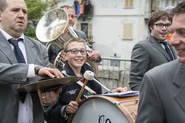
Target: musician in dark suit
[53, 50]
[163, 88]
[22, 64]
[150, 52]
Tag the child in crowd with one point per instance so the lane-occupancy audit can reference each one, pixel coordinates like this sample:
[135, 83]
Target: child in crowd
[74, 55]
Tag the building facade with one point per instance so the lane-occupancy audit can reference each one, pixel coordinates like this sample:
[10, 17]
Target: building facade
[114, 26]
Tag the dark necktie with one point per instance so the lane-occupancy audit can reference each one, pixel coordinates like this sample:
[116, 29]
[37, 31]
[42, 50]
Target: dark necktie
[167, 50]
[17, 50]
[20, 59]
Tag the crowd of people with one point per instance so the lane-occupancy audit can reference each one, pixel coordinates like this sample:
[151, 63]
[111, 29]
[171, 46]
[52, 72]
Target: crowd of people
[24, 61]
[157, 66]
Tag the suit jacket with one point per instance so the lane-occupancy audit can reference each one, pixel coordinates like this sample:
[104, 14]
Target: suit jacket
[146, 55]
[81, 34]
[162, 95]
[12, 74]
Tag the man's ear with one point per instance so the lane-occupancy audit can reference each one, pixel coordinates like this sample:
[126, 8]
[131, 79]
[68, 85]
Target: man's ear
[0, 15]
[64, 55]
[151, 28]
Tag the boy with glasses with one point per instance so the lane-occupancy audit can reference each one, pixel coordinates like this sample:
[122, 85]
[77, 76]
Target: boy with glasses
[152, 51]
[54, 51]
[75, 55]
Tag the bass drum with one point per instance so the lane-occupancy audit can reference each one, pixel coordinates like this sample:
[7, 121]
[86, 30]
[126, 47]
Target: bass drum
[103, 109]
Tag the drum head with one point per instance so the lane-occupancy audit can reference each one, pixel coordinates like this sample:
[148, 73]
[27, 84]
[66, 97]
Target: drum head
[99, 110]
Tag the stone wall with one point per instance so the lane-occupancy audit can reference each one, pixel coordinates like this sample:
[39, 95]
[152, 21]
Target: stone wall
[113, 78]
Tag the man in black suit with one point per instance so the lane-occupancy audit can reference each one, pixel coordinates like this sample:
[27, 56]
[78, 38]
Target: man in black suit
[150, 52]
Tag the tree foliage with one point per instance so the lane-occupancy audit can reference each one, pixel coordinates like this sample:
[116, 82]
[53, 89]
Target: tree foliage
[36, 9]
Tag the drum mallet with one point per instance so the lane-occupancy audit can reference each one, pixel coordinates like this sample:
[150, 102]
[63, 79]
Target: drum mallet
[88, 75]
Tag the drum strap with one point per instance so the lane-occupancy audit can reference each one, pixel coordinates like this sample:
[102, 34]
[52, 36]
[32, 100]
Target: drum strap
[81, 84]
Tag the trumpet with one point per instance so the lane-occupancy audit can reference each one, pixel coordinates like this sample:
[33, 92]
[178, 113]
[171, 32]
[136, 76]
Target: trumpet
[53, 29]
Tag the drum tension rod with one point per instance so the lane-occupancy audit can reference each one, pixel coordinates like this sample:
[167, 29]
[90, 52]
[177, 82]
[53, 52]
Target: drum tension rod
[118, 103]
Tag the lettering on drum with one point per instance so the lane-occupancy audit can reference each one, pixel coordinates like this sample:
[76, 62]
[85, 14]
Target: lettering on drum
[103, 119]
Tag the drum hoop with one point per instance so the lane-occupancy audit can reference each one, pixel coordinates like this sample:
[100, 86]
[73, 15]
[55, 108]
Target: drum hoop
[122, 108]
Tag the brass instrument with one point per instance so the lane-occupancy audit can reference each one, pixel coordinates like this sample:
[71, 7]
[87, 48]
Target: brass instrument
[53, 29]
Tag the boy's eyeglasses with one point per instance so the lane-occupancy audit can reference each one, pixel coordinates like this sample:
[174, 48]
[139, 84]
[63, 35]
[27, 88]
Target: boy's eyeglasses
[160, 25]
[75, 51]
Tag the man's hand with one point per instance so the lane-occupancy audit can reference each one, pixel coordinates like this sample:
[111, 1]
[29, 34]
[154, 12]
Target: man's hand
[49, 97]
[93, 55]
[51, 72]
[119, 90]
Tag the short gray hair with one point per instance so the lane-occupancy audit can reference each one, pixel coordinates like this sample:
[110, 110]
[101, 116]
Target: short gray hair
[169, 8]
[66, 6]
[3, 5]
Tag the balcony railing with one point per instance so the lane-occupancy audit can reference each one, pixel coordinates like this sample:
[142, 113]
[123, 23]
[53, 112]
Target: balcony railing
[114, 72]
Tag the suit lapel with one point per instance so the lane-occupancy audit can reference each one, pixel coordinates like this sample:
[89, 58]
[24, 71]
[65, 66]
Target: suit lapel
[158, 46]
[30, 51]
[6, 49]
[179, 81]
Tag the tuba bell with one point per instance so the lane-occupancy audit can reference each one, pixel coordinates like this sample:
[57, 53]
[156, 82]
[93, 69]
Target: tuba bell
[53, 29]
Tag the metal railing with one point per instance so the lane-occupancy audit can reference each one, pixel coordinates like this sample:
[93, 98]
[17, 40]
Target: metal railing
[114, 72]
[114, 63]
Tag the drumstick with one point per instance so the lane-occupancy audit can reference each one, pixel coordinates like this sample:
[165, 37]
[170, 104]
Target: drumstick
[88, 75]
[102, 85]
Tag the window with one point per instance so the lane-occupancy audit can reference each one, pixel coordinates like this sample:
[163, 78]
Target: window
[155, 5]
[127, 31]
[90, 30]
[167, 3]
[87, 29]
[129, 4]
[84, 28]
[78, 27]
[173, 2]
